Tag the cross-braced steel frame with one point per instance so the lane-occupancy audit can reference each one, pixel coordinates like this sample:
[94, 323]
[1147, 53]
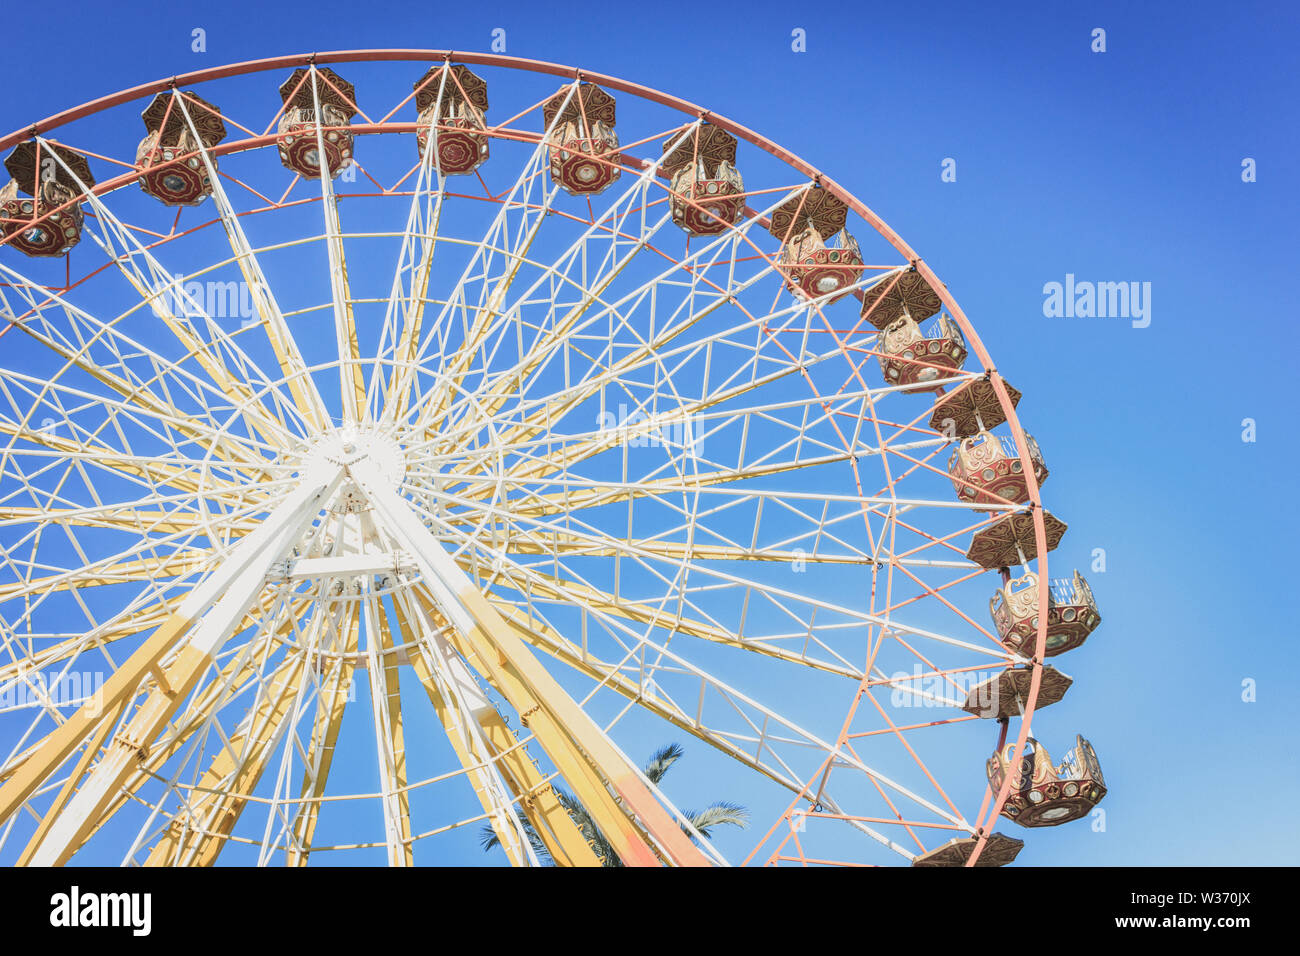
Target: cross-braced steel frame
[237, 524]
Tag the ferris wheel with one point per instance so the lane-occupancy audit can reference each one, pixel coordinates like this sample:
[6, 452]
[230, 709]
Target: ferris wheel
[378, 465]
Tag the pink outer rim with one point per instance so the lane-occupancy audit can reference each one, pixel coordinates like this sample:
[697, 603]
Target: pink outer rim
[983, 829]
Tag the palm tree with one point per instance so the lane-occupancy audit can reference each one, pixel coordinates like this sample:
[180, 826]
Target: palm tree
[704, 821]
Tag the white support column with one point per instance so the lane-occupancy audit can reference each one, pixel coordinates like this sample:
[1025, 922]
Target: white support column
[263, 547]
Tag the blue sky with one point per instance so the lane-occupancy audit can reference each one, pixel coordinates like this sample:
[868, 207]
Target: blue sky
[1117, 166]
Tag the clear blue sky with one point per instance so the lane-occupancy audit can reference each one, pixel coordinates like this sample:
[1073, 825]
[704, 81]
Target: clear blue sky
[1122, 166]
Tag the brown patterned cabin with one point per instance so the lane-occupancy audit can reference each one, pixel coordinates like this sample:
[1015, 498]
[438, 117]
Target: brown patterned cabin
[167, 160]
[986, 468]
[1071, 614]
[454, 100]
[1005, 695]
[1043, 795]
[297, 137]
[912, 357]
[37, 208]
[707, 191]
[819, 257]
[818, 268]
[584, 147]
[971, 408]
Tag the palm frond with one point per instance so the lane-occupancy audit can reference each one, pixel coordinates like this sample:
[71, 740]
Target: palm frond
[661, 760]
[488, 839]
[539, 848]
[704, 821]
[587, 826]
[717, 815]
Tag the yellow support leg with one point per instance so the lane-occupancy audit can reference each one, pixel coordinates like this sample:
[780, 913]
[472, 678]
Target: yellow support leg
[537, 798]
[330, 704]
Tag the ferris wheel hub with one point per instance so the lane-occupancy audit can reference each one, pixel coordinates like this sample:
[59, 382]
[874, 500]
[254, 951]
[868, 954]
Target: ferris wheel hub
[346, 446]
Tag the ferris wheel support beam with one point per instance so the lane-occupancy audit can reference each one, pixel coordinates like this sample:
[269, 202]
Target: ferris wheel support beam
[550, 820]
[486, 312]
[504, 654]
[330, 625]
[331, 701]
[449, 708]
[198, 832]
[153, 286]
[623, 833]
[632, 844]
[423, 221]
[545, 638]
[215, 803]
[125, 624]
[93, 745]
[352, 383]
[238, 673]
[37, 766]
[465, 714]
[224, 596]
[71, 646]
[534, 793]
[301, 385]
[390, 746]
